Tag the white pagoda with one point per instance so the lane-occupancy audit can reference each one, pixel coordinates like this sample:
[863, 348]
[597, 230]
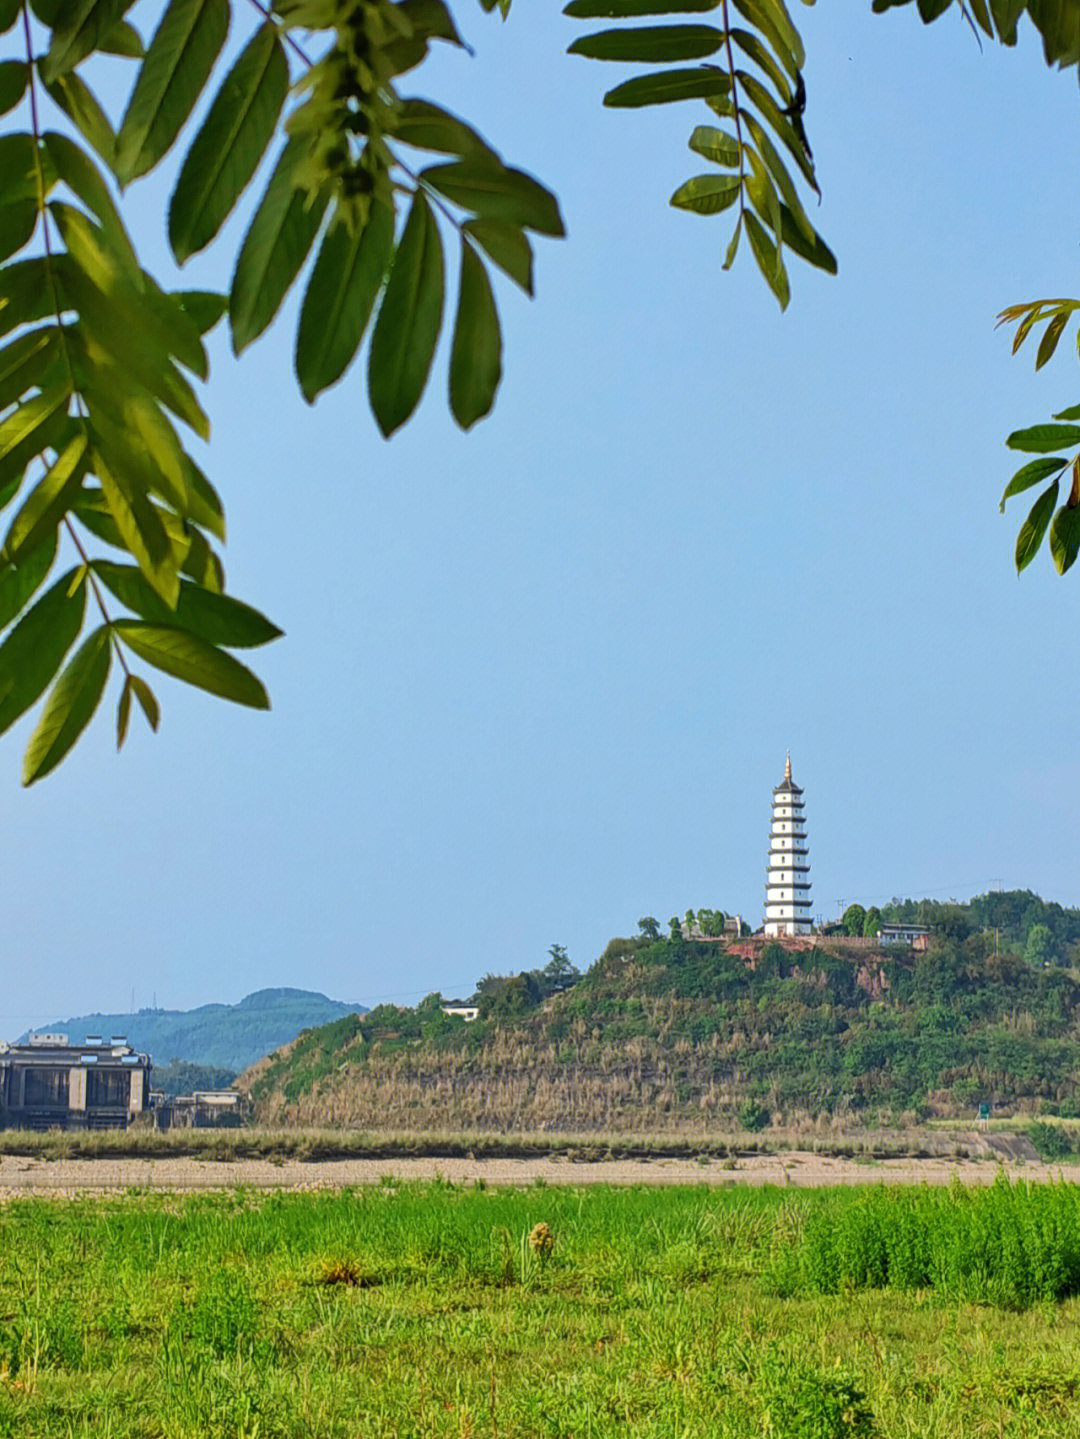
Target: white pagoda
[787, 888]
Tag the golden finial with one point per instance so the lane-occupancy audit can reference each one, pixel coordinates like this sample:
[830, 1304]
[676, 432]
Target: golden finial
[787, 766]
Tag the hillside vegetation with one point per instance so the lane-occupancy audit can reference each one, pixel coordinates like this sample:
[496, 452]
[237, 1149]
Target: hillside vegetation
[682, 1034]
[219, 1036]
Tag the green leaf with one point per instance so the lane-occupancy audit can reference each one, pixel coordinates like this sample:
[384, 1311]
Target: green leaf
[1065, 537]
[1006, 14]
[190, 659]
[204, 308]
[751, 45]
[133, 685]
[136, 441]
[202, 564]
[507, 245]
[83, 178]
[26, 363]
[780, 125]
[654, 44]
[18, 168]
[630, 9]
[52, 431]
[817, 253]
[80, 105]
[17, 225]
[1030, 474]
[171, 79]
[23, 426]
[707, 194]
[783, 180]
[82, 26]
[733, 245]
[405, 334]
[19, 582]
[496, 192]
[716, 145]
[664, 87]
[204, 505]
[217, 619]
[1048, 343]
[761, 192]
[116, 328]
[34, 650]
[147, 701]
[1034, 527]
[142, 530]
[124, 40]
[229, 145]
[157, 320]
[428, 127]
[24, 293]
[47, 503]
[771, 19]
[345, 280]
[70, 706]
[14, 77]
[274, 248]
[1040, 439]
[1072, 413]
[768, 258]
[476, 355]
[123, 713]
[10, 10]
[430, 20]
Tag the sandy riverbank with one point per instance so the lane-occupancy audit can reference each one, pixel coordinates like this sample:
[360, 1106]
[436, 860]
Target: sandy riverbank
[22, 1177]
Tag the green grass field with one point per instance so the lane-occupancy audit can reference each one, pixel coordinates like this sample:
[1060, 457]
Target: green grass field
[429, 1310]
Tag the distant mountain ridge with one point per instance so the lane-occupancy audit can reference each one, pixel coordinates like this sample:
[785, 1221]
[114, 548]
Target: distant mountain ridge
[227, 1036]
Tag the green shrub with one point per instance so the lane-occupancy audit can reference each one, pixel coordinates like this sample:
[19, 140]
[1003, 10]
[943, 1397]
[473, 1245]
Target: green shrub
[754, 1116]
[804, 1402]
[1051, 1141]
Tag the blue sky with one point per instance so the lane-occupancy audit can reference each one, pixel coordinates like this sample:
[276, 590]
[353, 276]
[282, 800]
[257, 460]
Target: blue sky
[539, 680]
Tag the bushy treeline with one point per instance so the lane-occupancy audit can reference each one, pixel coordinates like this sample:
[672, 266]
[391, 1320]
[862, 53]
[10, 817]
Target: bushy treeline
[182, 1078]
[1010, 917]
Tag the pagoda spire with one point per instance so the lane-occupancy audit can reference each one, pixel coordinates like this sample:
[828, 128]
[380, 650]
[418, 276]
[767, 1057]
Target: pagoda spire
[787, 887]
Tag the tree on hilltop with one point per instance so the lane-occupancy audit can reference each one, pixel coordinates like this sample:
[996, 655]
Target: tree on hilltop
[853, 919]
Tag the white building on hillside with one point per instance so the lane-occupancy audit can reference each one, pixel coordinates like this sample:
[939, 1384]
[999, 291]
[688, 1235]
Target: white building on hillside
[787, 888]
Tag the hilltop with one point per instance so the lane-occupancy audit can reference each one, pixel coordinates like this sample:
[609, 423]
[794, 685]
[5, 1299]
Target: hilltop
[223, 1037]
[671, 1033]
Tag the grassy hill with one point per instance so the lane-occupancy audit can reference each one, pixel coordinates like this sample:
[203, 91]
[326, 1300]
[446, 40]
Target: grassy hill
[219, 1036]
[672, 1034]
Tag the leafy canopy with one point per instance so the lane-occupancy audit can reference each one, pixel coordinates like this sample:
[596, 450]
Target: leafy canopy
[110, 549]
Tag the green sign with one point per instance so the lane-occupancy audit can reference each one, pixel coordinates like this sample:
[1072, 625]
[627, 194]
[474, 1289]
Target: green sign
[984, 1111]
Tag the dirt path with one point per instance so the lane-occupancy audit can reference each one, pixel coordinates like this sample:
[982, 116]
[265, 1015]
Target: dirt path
[23, 1177]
